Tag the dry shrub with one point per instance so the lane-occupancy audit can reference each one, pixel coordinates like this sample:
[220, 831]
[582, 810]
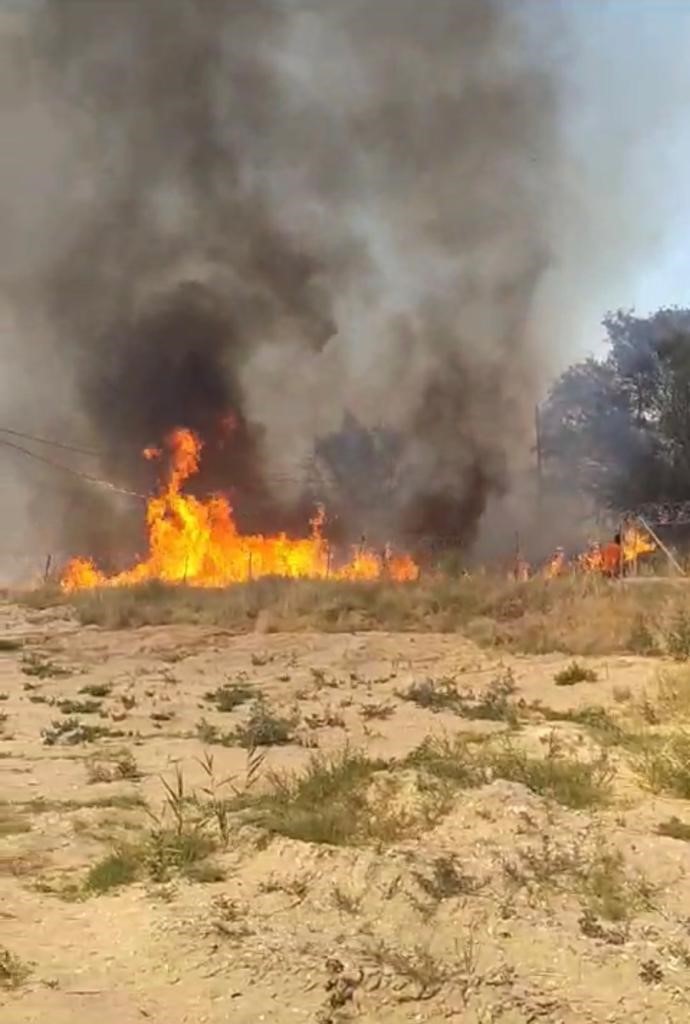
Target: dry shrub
[579, 615]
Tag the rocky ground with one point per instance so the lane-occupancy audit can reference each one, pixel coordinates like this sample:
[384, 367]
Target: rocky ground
[163, 859]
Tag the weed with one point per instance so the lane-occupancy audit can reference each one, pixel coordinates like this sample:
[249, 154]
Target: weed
[43, 668]
[210, 735]
[265, 729]
[455, 761]
[119, 868]
[651, 972]
[569, 782]
[13, 971]
[463, 763]
[672, 698]
[608, 892]
[99, 690]
[433, 694]
[79, 707]
[345, 902]
[328, 803]
[205, 872]
[674, 828]
[493, 704]
[664, 765]
[231, 696]
[573, 674]
[446, 880]
[10, 643]
[116, 768]
[71, 732]
[678, 636]
[416, 966]
[380, 712]
[641, 640]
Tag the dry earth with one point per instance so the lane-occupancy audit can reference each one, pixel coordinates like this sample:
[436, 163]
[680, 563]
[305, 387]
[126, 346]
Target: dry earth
[503, 905]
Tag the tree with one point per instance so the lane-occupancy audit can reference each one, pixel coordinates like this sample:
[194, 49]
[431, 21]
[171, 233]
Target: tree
[618, 428]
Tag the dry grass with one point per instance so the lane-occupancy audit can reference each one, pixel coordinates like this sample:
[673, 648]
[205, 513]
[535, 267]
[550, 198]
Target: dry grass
[578, 616]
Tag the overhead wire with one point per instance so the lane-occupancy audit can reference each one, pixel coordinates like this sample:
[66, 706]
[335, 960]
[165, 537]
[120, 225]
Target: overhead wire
[71, 470]
[54, 444]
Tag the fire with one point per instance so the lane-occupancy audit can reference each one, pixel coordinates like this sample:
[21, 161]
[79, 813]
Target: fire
[197, 541]
[607, 560]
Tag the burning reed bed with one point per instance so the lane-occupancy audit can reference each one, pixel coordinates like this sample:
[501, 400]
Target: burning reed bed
[579, 616]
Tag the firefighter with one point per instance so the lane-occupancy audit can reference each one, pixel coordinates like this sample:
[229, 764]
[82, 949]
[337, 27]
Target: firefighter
[611, 558]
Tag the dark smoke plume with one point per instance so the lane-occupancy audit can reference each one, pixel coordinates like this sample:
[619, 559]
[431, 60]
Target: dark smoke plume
[284, 209]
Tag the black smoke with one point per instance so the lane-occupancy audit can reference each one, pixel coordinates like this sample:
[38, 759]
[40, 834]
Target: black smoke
[355, 192]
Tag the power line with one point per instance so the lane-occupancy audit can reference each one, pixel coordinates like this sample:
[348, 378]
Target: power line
[55, 444]
[73, 472]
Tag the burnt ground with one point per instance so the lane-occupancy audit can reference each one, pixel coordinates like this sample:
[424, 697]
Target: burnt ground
[519, 889]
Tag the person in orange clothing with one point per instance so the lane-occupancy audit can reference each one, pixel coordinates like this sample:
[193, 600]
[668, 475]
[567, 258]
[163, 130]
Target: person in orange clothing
[611, 558]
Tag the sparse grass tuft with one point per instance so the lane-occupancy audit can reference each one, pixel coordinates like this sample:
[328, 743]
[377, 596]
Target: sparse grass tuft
[79, 707]
[573, 674]
[433, 694]
[265, 729]
[119, 868]
[663, 764]
[9, 644]
[674, 828]
[570, 782]
[609, 892]
[99, 690]
[678, 636]
[119, 766]
[327, 803]
[231, 696]
[43, 668]
[72, 732]
[13, 971]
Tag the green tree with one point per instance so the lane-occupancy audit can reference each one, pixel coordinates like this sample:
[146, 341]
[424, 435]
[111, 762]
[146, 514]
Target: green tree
[618, 428]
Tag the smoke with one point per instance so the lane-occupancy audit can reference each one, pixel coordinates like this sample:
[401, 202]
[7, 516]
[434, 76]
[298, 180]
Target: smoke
[286, 210]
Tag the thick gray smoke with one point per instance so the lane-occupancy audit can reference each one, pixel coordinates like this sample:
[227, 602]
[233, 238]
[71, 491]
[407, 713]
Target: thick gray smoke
[285, 210]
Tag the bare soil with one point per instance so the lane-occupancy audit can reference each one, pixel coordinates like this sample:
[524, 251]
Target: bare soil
[474, 916]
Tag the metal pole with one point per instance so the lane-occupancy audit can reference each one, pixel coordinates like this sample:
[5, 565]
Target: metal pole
[655, 537]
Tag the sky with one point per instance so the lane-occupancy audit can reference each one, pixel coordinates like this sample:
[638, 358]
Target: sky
[627, 78]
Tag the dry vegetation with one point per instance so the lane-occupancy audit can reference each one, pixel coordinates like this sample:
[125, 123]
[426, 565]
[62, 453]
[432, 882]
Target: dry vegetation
[387, 804]
[580, 616]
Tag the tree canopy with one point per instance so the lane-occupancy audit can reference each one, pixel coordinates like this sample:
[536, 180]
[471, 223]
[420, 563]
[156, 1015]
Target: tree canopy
[618, 428]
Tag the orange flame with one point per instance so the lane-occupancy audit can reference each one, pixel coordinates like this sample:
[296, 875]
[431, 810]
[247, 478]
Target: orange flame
[197, 541]
[607, 560]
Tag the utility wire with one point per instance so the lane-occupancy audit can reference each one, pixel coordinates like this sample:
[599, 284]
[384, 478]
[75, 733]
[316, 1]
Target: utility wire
[54, 444]
[73, 472]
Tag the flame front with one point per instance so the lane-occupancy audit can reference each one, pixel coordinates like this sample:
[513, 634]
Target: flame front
[196, 541]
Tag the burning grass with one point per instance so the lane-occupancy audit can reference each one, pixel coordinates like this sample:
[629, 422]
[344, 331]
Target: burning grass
[578, 616]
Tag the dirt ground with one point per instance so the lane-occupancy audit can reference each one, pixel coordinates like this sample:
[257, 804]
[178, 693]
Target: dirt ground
[470, 918]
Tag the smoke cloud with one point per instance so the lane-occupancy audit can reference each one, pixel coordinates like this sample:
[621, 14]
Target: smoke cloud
[286, 210]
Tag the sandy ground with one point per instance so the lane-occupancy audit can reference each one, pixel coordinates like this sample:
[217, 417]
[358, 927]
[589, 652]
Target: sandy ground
[293, 923]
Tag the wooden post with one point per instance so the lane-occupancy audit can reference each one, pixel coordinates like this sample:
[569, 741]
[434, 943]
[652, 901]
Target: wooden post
[328, 560]
[46, 573]
[540, 464]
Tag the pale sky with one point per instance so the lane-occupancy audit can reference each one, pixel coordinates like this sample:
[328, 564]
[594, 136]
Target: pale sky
[629, 120]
